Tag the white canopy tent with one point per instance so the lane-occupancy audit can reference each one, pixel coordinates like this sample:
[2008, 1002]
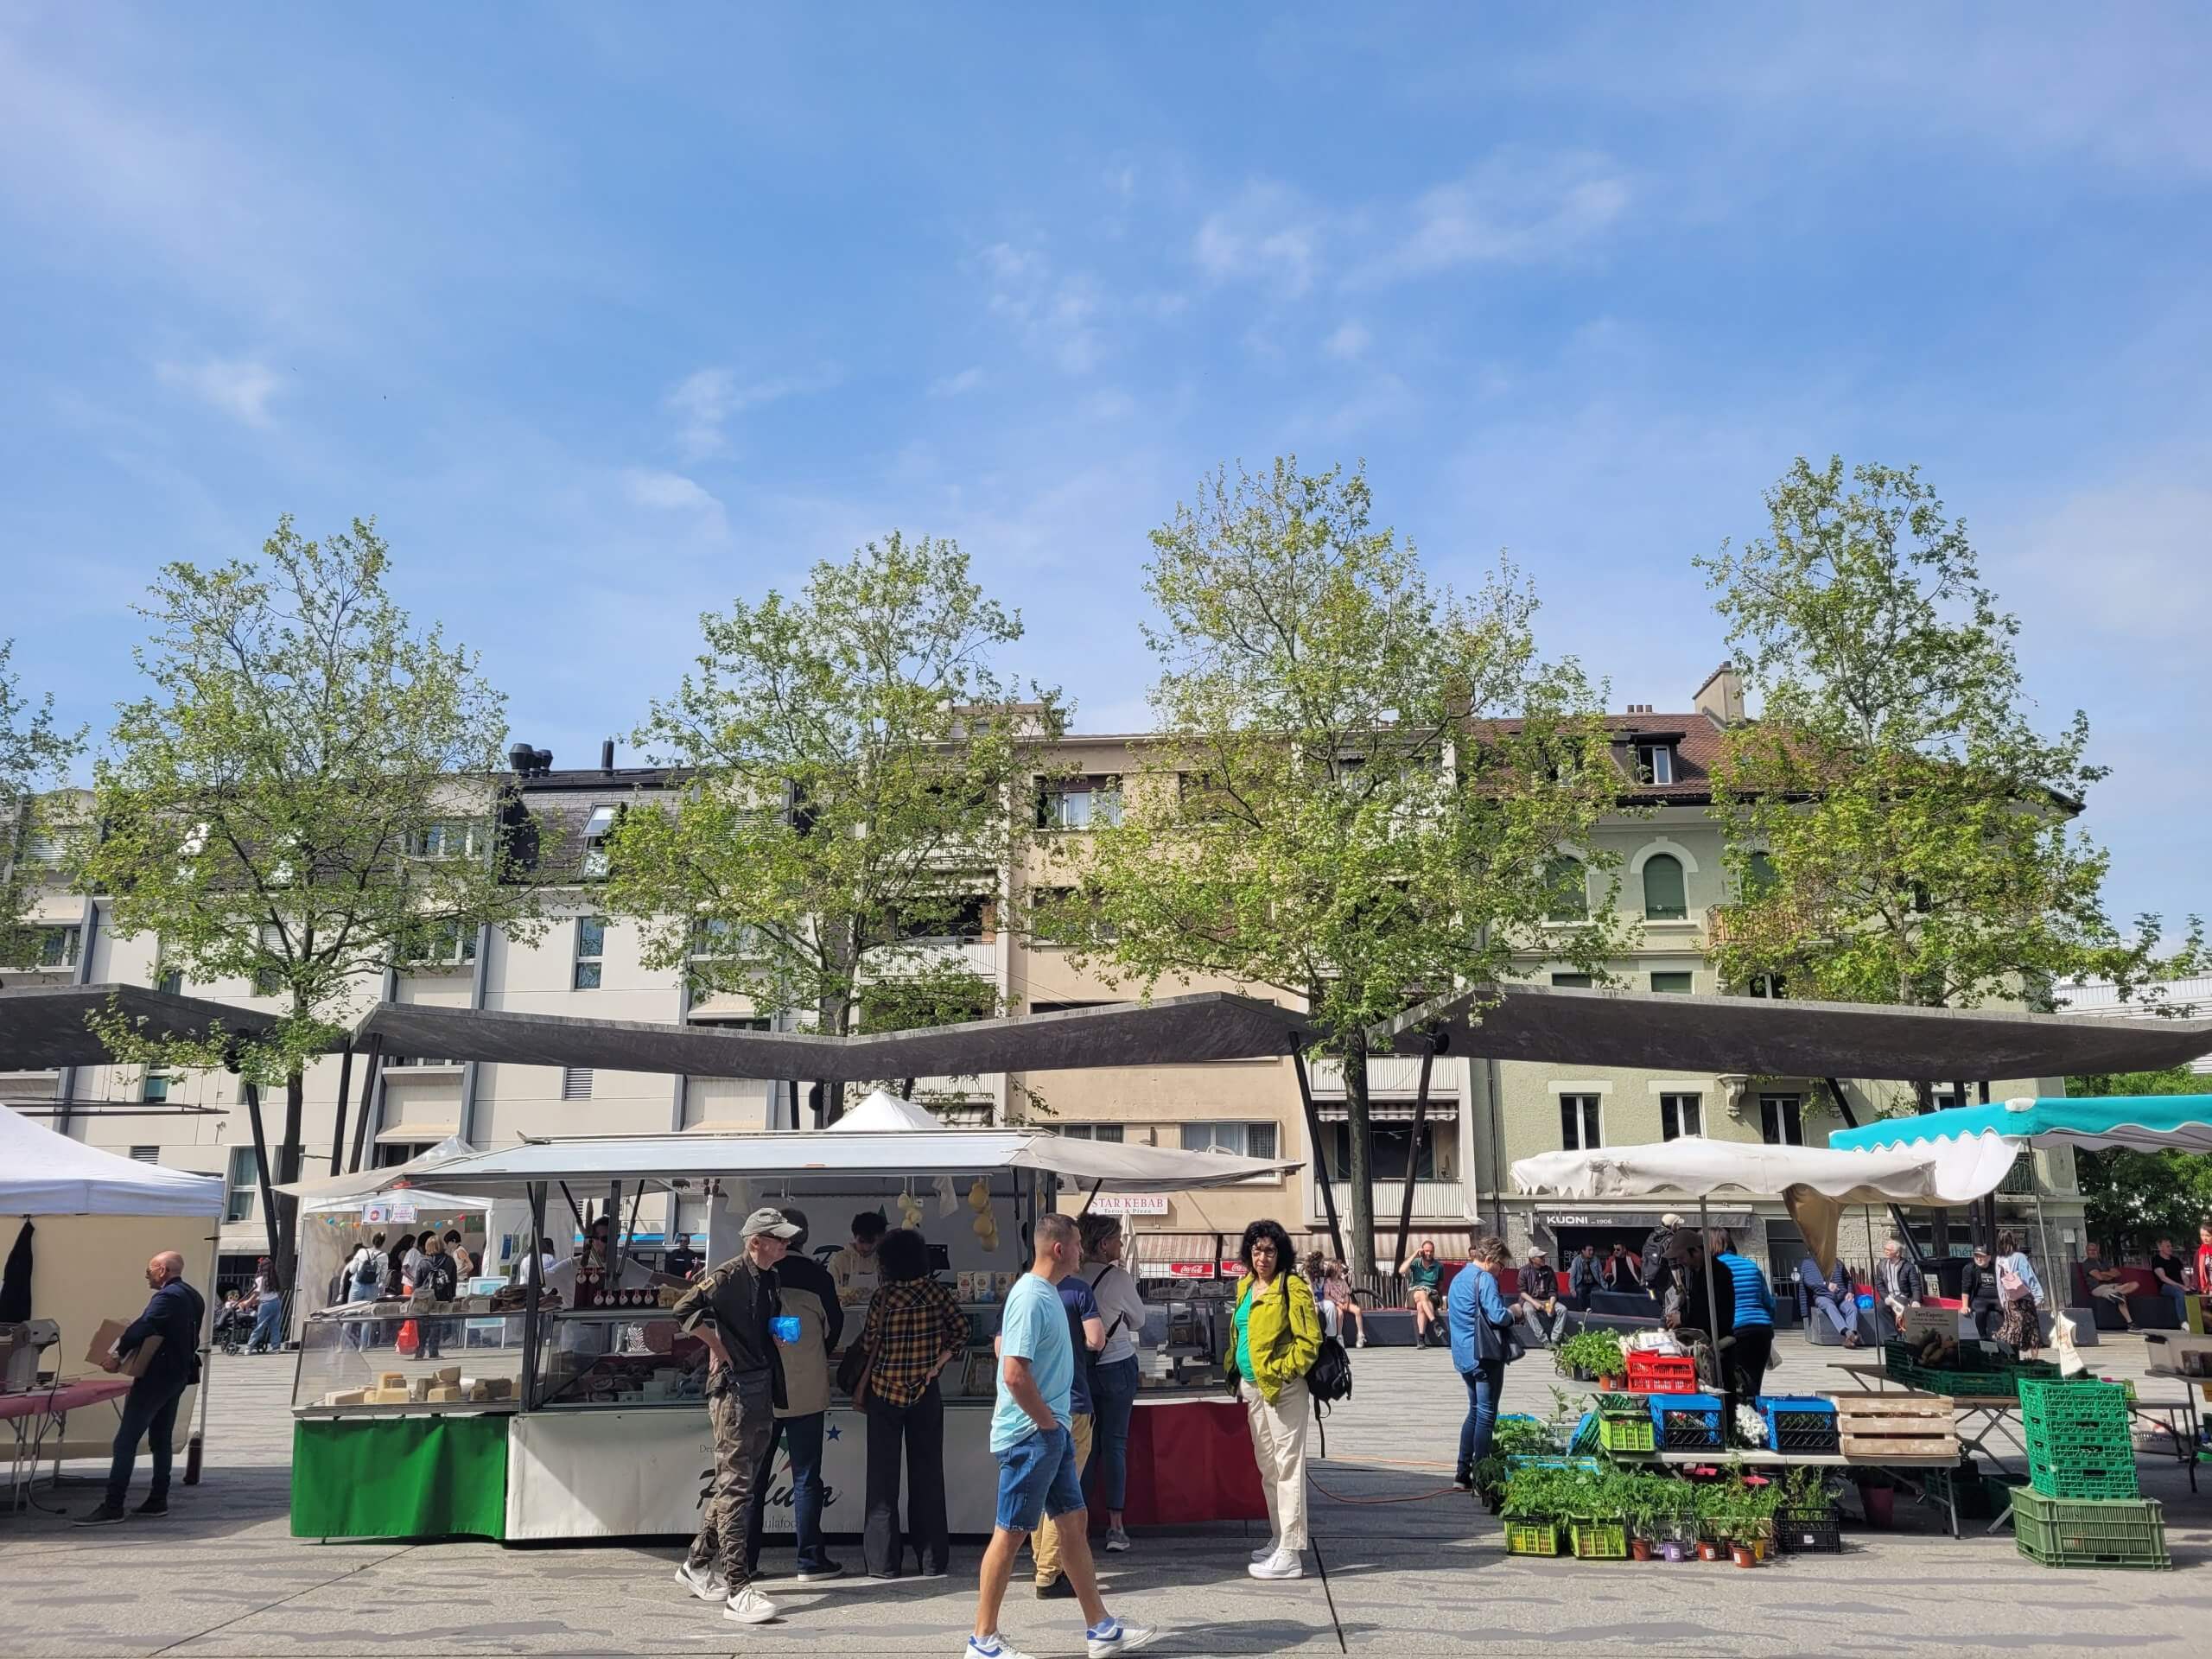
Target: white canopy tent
[363, 1184]
[1816, 1183]
[42, 1173]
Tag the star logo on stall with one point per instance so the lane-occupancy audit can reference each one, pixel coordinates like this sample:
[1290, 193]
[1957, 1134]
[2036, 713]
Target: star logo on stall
[834, 1432]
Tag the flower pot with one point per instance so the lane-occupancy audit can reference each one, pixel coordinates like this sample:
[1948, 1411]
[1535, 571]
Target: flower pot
[1745, 1555]
[1707, 1551]
[1610, 1384]
[1881, 1503]
[1673, 1549]
[1639, 1549]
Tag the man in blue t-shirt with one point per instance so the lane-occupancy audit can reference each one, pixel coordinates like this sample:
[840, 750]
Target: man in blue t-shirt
[1086, 1336]
[1039, 1474]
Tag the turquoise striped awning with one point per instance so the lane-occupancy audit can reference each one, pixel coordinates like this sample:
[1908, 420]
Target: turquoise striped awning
[2142, 1122]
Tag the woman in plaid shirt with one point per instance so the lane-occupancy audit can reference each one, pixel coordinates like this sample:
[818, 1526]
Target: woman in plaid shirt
[914, 1330]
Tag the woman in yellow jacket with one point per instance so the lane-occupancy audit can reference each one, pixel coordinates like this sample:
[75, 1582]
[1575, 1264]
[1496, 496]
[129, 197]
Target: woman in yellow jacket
[1278, 1334]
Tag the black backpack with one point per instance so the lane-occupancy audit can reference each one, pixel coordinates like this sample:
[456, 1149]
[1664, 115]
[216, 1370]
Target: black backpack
[1329, 1379]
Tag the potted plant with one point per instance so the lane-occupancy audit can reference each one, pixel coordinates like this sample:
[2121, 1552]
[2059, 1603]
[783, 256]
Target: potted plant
[1589, 1354]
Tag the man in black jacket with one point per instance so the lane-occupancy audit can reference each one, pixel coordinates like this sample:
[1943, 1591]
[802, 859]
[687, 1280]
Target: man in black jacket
[150, 1409]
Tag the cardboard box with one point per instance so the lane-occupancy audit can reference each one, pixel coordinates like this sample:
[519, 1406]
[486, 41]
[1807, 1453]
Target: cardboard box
[104, 1343]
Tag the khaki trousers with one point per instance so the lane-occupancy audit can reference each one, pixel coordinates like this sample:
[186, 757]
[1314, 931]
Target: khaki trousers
[1278, 1446]
[1044, 1542]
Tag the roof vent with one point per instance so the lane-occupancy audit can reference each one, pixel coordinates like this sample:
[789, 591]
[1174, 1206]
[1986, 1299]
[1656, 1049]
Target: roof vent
[606, 755]
[528, 762]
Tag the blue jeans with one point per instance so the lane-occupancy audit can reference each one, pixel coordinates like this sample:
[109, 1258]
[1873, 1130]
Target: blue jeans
[360, 1333]
[802, 1440]
[1114, 1397]
[149, 1414]
[1037, 1480]
[265, 1319]
[1484, 1383]
[2179, 1297]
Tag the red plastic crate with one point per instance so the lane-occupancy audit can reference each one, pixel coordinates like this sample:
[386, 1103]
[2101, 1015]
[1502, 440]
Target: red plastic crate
[1661, 1374]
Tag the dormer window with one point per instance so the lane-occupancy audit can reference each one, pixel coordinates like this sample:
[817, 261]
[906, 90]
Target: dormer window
[1655, 763]
[597, 828]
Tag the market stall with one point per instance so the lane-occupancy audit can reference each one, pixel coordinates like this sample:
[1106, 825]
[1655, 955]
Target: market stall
[597, 1399]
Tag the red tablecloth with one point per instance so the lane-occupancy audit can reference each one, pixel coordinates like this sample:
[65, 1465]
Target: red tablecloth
[72, 1395]
[1192, 1460]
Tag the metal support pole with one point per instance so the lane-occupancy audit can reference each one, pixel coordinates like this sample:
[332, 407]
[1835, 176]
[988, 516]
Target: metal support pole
[531, 1303]
[345, 1098]
[194, 1449]
[1090, 1199]
[1412, 1151]
[372, 1081]
[1713, 1320]
[1320, 1164]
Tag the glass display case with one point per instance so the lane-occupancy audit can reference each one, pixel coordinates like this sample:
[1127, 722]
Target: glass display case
[401, 1356]
[1183, 1344]
[616, 1356]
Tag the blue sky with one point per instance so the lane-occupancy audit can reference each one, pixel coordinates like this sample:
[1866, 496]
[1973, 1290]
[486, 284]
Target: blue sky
[609, 312]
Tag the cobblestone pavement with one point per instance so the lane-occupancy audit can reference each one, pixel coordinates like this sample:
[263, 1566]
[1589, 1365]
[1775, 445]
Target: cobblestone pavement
[1401, 1565]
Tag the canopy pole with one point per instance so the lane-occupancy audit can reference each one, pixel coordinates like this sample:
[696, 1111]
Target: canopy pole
[630, 1233]
[1712, 1317]
[573, 1209]
[1087, 1202]
[345, 1094]
[1412, 1151]
[372, 1076]
[532, 1302]
[193, 1448]
[1320, 1162]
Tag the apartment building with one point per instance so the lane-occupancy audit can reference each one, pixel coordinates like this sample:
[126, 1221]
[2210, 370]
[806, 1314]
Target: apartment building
[1482, 1114]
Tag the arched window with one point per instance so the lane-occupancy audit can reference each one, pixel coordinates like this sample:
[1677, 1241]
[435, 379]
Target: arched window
[1569, 888]
[1665, 899]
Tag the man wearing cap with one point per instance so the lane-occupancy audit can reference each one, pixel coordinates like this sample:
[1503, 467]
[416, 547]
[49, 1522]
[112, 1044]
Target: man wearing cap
[806, 1296]
[732, 1310]
[1540, 1295]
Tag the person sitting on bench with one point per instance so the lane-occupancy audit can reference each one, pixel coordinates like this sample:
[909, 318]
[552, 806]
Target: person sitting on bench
[1424, 1277]
[1540, 1295]
[1831, 1295]
[2106, 1282]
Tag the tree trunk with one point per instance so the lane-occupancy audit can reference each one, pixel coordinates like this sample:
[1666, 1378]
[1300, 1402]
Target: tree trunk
[287, 1170]
[1359, 1172]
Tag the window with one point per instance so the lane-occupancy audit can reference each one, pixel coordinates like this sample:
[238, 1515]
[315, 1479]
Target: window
[449, 838]
[597, 828]
[396, 1153]
[1665, 899]
[1680, 1114]
[154, 1088]
[1770, 986]
[717, 939]
[960, 919]
[170, 981]
[269, 981]
[1579, 1128]
[1067, 916]
[1388, 1147]
[145, 1154]
[1240, 1140]
[1572, 981]
[575, 1083]
[49, 947]
[1655, 763]
[239, 1185]
[1112, 1132]
[1760, 877]
[591, 949]
[1079, 803]
[1568, 884]
[42, 849]
[447, 944]
[1064, 1008]
[1678, 984]
[1782, 1121]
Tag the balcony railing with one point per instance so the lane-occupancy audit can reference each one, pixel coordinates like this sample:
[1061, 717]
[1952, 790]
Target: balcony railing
[1433, 1201]
[1397, 1075]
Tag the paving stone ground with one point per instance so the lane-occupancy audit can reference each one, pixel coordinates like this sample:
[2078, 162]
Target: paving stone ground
[1399, 1567]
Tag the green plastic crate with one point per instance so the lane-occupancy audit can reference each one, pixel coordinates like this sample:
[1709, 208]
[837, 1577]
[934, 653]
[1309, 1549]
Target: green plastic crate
[1527, 1537]
[1626, 1433]
[2059, 1407]
[2090, 1532]
[2111, 1478]
[1599, 1540]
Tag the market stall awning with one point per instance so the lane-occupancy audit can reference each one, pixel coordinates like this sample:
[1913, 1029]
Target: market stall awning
[1814, 1183]
[45, 1027]
[43, 1173]
[683, 1161]
[1175, 1030]
[1766, 1038]
[367, 1183]
[2143, 1123]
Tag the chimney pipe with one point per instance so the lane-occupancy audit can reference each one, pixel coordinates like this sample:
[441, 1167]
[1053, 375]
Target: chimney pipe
[606, 755]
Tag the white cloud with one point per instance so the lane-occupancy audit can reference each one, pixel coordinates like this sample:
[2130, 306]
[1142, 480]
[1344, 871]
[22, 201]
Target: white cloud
[1350, 343]
[1058, 316]
[1514, 209]
[240, 387]
[1269, 235]
[955, 385]
[667, 492]
[705, 401]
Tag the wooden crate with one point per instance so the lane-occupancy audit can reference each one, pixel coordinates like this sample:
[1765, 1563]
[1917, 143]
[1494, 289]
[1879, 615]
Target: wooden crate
[1869, 1427]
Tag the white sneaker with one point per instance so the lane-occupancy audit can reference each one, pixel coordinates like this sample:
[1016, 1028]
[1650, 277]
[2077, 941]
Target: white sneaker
[1117, 1540]
[1283, 1564]
[703, 1581]
[997, 1649]
[1363, 1339]
[748, 1607]
[1119, 1637]
[1273, 1549]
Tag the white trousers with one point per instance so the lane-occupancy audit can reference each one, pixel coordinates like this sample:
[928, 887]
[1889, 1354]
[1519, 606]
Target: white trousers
[1278, 1446]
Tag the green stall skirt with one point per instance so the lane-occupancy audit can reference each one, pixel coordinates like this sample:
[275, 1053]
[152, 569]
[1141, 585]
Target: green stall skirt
[400, 1477]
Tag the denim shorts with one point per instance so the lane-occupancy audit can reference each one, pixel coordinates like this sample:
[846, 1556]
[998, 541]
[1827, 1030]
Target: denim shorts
[1038, 1478]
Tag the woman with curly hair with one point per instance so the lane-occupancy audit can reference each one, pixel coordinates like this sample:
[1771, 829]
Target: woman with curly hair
[1278, 1335]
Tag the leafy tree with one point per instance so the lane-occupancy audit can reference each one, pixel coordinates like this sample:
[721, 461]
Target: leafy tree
[1899, 830]
[853, 757]
[1362, 783]
[33, 756]
[2134, 1198]
[301, 798]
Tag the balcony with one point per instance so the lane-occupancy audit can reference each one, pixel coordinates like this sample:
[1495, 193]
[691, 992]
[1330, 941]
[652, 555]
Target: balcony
[1397, 1075]
[1433, 1201]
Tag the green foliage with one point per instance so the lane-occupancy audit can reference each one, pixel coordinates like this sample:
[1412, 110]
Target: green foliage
[1597, 1352]
[1899, 830]
[1362, 782]
[2135, 1198]
[853, 757]
[34, 755]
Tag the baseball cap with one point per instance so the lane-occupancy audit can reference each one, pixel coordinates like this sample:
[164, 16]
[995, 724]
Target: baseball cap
[1537, 1249]
[766, 1220]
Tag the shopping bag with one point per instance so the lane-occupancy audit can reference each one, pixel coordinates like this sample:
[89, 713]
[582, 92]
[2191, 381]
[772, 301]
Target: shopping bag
[410, 1338]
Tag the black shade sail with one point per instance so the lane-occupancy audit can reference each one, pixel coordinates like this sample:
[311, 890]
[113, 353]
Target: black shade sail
[43, 1026]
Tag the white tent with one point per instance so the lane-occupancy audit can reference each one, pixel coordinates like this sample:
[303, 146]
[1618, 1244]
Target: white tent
[362, 1185]
[881, 1112]
[42, 1173]
[1816, 1183]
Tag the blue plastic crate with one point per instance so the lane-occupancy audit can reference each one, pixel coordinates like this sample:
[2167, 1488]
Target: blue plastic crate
[1688, 1422]
[1799, 1422]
